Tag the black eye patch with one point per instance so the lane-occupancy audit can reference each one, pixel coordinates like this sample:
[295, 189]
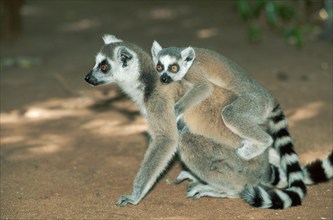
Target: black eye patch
[104, 66]
[174, 68]
[159, 67]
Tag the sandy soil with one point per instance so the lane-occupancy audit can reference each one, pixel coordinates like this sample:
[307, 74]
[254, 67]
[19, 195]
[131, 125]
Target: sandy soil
[69, 150]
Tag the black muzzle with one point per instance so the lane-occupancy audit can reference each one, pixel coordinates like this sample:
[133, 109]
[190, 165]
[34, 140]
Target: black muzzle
[91, 79]
[165, 79]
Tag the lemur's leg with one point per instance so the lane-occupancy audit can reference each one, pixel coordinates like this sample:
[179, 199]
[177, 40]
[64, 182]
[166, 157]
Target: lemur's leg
[198, 154]
[197, 189]
[244, 117]
[185, 175]
[204, 190]
[216, 165]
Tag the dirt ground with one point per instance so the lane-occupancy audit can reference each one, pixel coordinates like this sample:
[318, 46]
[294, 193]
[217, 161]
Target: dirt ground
[69, 150]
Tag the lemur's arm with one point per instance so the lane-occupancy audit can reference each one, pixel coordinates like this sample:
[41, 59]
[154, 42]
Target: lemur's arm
[162, 126]
[200, 90]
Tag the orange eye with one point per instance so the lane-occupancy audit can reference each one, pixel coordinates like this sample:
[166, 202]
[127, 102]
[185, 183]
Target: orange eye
[174, 68]
[104, 68]
[159, 67]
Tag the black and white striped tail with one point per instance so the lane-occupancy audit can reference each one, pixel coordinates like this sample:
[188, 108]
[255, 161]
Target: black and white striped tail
[265, 197]
[315, 172]
[319, 171]
[278, 177]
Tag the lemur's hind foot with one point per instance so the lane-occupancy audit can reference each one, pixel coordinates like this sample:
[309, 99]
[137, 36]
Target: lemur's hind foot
[249, 150]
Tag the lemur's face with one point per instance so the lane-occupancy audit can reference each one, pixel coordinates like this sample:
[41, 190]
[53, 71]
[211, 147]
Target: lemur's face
[172, 63]
[115, 63]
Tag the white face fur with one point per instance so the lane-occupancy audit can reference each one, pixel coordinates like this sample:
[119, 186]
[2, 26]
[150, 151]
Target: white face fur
[172, 64]
[120, 65]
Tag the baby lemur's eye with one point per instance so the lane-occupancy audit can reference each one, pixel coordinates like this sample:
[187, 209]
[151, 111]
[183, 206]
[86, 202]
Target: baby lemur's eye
[159, 67]
[174, 68]
[104, 68]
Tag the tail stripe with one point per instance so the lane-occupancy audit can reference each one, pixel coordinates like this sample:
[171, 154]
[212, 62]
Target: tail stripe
[286, 200]
[300, 184]
[297, 190]
[266, 200]
[257, 197]
[281, 133]
[319, 171]
[275, 174]
[276, 112]
[295, 197]
[257, 200]
[284, 144]
[278, 118]
[277, 202]
[330, 158]
[294, 168]
[277, 108]
[287, 148]
[328, 168]
[296, 176]
[288, 160]
[279, 125]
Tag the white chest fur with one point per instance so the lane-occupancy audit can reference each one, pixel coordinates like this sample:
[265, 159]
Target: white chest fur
[136, 92]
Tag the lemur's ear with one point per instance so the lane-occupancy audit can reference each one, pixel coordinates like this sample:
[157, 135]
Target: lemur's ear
[124, 55]
[188, 54]
[155, 49]
[109, 39]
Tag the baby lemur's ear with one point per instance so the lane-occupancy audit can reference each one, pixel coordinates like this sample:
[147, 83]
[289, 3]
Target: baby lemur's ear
[124, 55]
[155, 49]
[188, 54]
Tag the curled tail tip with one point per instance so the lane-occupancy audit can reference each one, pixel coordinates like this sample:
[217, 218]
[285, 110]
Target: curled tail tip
[256, 197]
[272, 198]
[250, 196]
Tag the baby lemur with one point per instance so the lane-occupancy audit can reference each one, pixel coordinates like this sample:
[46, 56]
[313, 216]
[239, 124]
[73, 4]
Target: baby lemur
[213, 165]
[245, 115]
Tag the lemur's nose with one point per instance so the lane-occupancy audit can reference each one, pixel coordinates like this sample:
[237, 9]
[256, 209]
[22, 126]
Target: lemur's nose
[165, 79]
[87, 78]
[91, 79]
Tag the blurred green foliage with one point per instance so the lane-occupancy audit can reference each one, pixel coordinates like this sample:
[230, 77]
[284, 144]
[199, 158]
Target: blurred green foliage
[279, 15]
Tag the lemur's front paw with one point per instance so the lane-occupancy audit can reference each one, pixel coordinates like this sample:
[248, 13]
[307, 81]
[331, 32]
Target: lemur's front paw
[192, 185]
[126, 199]
[195, 192]
[249, 150]
[193, 195]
